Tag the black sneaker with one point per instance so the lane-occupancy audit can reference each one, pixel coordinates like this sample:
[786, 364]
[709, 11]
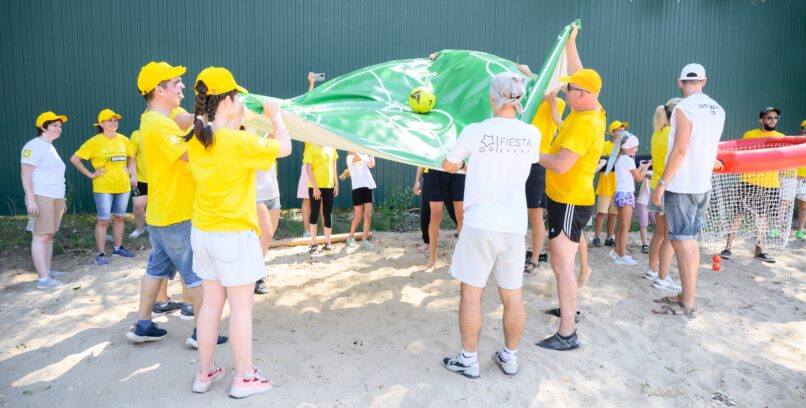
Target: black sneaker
[169, 306]
[528, 256]
[611, 242]
[191, 341]
[544, 258]
[766, 257]
[187, 312]
[597, 242]
[313, 249]
[260, 287]
[140, 335]
[644, 249]
[327, 248]
[556, 312]
[557, 342]
[725, 254]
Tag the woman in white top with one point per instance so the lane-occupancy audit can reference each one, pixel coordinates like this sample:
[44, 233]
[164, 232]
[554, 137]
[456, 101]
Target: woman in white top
[624, 198]
[641, 206]
[363, 185]
[42, 173]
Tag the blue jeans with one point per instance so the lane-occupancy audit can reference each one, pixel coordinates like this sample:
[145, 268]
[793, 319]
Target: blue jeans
[171, 251]
[684, 214]
[107, 204]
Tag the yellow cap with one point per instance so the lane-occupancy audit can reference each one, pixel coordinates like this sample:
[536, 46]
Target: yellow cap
[586, 79]
[616, 125]
[153, 73]
[48, 116]
[219, 81]
[803, 124]
[106, 114]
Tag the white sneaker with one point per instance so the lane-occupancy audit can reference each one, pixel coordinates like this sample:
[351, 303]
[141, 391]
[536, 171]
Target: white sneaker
[613, 255]
[136, 233]
[306, 234]
[626, 260]
[56, 274]
[351, 243]
[455, 364]
[667, 284]
[509, 367]
[48, 283]
[650, 274]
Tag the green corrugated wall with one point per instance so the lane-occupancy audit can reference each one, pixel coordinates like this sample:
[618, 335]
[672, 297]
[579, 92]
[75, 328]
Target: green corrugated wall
[77, 57]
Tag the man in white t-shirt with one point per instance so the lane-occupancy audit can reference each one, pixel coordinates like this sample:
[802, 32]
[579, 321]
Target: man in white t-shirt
[685, 187]
[501, 151]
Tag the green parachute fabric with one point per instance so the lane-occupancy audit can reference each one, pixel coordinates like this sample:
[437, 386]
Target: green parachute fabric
[367, 110]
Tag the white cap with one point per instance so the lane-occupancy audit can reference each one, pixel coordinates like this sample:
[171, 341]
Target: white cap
[692, 72]
[630, 142]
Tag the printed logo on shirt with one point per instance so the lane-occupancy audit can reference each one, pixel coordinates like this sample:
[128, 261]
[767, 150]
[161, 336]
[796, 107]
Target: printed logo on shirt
[712, 108]
[500, 144]
[174, 140]
[115, 159]
[26, 153]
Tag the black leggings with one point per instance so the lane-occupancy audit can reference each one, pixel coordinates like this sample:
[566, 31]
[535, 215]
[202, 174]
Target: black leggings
[326, 201]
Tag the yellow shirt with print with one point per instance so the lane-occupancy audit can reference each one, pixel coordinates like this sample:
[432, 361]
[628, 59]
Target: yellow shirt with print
[111, 155]
[139, 157]
[580, 133]
[225, 179]
[321, 160]
[607, 183]
[171, 189]
[767, 179]
[659, 146]
[545, 124]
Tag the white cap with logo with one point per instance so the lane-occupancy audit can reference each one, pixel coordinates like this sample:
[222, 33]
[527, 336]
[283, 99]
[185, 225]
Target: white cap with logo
[692, 72]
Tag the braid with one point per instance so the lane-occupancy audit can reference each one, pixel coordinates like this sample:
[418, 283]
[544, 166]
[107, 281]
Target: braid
[206, 106]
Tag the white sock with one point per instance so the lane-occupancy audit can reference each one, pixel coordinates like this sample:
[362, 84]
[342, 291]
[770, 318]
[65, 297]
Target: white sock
[507, 354]
[468, 358]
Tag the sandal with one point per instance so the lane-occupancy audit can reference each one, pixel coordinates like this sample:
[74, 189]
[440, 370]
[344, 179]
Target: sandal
[529, 267]
[669, 300]
[765, 257]
[556, 312]
[678, 309]
[313, 249]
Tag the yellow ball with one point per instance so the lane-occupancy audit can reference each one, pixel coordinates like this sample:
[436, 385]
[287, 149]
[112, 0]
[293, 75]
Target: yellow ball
[422, 99]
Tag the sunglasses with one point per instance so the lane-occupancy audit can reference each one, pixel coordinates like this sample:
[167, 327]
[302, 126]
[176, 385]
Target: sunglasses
[772, 117]
[570, 88]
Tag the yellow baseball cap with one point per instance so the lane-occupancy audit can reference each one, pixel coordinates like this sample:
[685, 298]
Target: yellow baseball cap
[47, 117]
[153, 73]
[616, 125]
[106, 114]
[219, 81]
[587, 79]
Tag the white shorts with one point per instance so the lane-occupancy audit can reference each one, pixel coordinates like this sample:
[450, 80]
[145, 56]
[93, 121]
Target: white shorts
[801, 194]
[232, 258]
[480, 252]
[789, 188]
[302, 186]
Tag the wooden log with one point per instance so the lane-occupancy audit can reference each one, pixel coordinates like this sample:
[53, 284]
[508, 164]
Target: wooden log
[319, 240]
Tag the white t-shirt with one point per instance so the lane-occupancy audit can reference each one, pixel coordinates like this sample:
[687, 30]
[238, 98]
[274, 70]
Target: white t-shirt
[643, 193]
[707, 121]
[501, 153]
[625, 182]
[48, 176]
[266, 184]
[359, 172]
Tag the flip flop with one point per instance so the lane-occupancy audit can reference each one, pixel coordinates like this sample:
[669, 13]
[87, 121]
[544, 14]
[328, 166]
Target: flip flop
[668, 300]
[677, 309]
[529, 267]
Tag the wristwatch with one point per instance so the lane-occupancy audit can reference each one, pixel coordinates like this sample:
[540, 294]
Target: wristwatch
[661, 182]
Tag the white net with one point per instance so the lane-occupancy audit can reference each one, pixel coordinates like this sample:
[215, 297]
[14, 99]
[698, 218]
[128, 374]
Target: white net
[756, 207]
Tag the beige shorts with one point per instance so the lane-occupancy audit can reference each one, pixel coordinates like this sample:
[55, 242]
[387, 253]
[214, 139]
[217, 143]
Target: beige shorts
[50, 215]
[604, 204]
[232, 258]
[480, 252]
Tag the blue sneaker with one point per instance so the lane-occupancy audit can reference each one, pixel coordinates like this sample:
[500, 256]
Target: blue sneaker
[169, 306]
[152, 333]
[191, 341]
[121, 251]
[100, 259]
[187, 312]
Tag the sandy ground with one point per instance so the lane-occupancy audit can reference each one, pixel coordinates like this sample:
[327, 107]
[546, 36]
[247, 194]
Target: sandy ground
[358, 329]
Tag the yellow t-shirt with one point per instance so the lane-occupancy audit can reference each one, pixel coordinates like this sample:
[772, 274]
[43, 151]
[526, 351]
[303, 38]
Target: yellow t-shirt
[580, 133]
[659, 147]
[111, 155]
[801, 172]
[225, 179]
[321, 160]
[175, 112]
[545, 124]
[607, 183]
[761, 178]
[171, 189]
[140, 158]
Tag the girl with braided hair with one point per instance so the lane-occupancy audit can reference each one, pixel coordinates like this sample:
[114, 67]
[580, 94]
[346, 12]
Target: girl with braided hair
[226, 250]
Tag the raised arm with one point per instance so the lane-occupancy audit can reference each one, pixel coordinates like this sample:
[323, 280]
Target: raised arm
[272, 110]
[571, 53]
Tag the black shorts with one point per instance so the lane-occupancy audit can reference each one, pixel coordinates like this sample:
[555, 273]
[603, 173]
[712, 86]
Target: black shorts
[567, 218]
[362, 196]
[140, 190]
[536, 187]
[442, 186]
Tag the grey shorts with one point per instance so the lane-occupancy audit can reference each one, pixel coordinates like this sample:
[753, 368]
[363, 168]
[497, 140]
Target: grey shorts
[684, 213]
[651, 207]
[273, 204]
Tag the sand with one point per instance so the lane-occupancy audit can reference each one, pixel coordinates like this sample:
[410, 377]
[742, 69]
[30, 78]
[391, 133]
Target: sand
[368, 329]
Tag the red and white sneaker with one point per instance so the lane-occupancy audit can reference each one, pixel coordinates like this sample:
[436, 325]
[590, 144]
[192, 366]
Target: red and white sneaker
[243, 387]
[204, 381]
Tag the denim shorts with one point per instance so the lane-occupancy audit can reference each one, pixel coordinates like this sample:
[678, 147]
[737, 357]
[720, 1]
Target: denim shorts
[655, 208]
[684, 213]
[273, 204]
[171, 252]
[107, 204]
